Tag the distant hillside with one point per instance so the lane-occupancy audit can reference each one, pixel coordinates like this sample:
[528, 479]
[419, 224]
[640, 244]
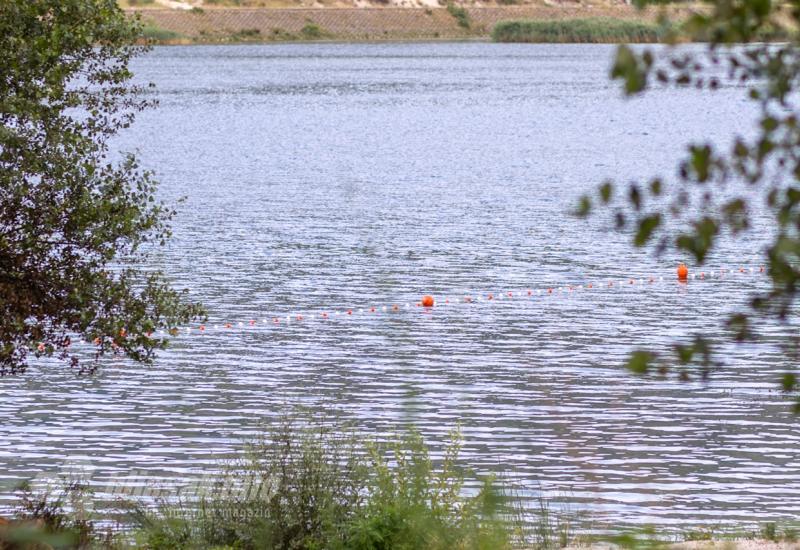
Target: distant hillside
[237, 25]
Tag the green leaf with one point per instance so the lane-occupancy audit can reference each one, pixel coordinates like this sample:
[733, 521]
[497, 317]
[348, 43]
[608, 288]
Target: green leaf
[740, 325]
[626, 67]
[606, 190]
[635, 196]
[701, 162]
[640, 361]
[735, 212]
[655, 187]
[701, 240]
[647, 225]
[584, 207]
[684, 353]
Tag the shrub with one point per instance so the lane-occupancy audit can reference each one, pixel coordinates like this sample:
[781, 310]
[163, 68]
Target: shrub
[304, 486]
[312, 31]
[594, 30]
[53, 519]
[461, 15]
[153, 33]
[313, 488]
[296, 488]
[245, 35]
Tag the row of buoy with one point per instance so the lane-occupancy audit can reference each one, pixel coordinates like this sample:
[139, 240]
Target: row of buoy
[428, 301]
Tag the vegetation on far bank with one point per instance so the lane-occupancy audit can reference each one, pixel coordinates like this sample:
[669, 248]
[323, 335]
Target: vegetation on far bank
[588, 30]
[591, 30]
[311, 32]
[606, 30]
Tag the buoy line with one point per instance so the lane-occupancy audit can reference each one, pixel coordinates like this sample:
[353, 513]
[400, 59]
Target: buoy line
[428, 301]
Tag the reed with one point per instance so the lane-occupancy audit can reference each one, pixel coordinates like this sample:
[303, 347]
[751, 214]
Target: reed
[590, 30]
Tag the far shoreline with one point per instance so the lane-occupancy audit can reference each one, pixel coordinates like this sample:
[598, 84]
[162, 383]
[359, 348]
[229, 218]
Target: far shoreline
[381, 25]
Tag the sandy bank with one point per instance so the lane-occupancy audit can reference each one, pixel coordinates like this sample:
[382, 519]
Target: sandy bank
[358, 24]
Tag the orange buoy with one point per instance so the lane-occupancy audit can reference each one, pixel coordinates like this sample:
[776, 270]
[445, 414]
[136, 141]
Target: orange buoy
[395, 308]
[40, 347]
[252, 322]
[490, 297]
[202, 327]
[349, 311]
[702, 275]
[529, 293]
[683, 272]
[275, 320]
[427, 301]
[549, 290]
[324, 315]
[468, 299]
[761, 270]
[372, 310]
[228, 325]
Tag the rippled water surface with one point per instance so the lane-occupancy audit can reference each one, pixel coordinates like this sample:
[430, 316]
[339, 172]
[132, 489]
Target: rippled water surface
[325, 177]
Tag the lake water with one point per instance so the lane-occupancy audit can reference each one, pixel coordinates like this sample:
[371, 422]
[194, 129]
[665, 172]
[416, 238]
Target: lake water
[325, 177]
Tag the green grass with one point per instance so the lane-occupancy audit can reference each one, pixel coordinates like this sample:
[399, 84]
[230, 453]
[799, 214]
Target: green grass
[591, 30]
[461, 15]
[153, 33]
[312, 31]
[245, 35]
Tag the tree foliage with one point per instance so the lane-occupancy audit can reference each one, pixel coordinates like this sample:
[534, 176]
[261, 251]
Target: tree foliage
[712, 197]
[74, 222]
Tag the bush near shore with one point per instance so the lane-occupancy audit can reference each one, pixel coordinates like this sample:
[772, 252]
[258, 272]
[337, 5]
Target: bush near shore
[589, 30]
[308, 487]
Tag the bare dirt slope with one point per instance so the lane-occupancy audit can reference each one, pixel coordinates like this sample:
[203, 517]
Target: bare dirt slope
[370, 23]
